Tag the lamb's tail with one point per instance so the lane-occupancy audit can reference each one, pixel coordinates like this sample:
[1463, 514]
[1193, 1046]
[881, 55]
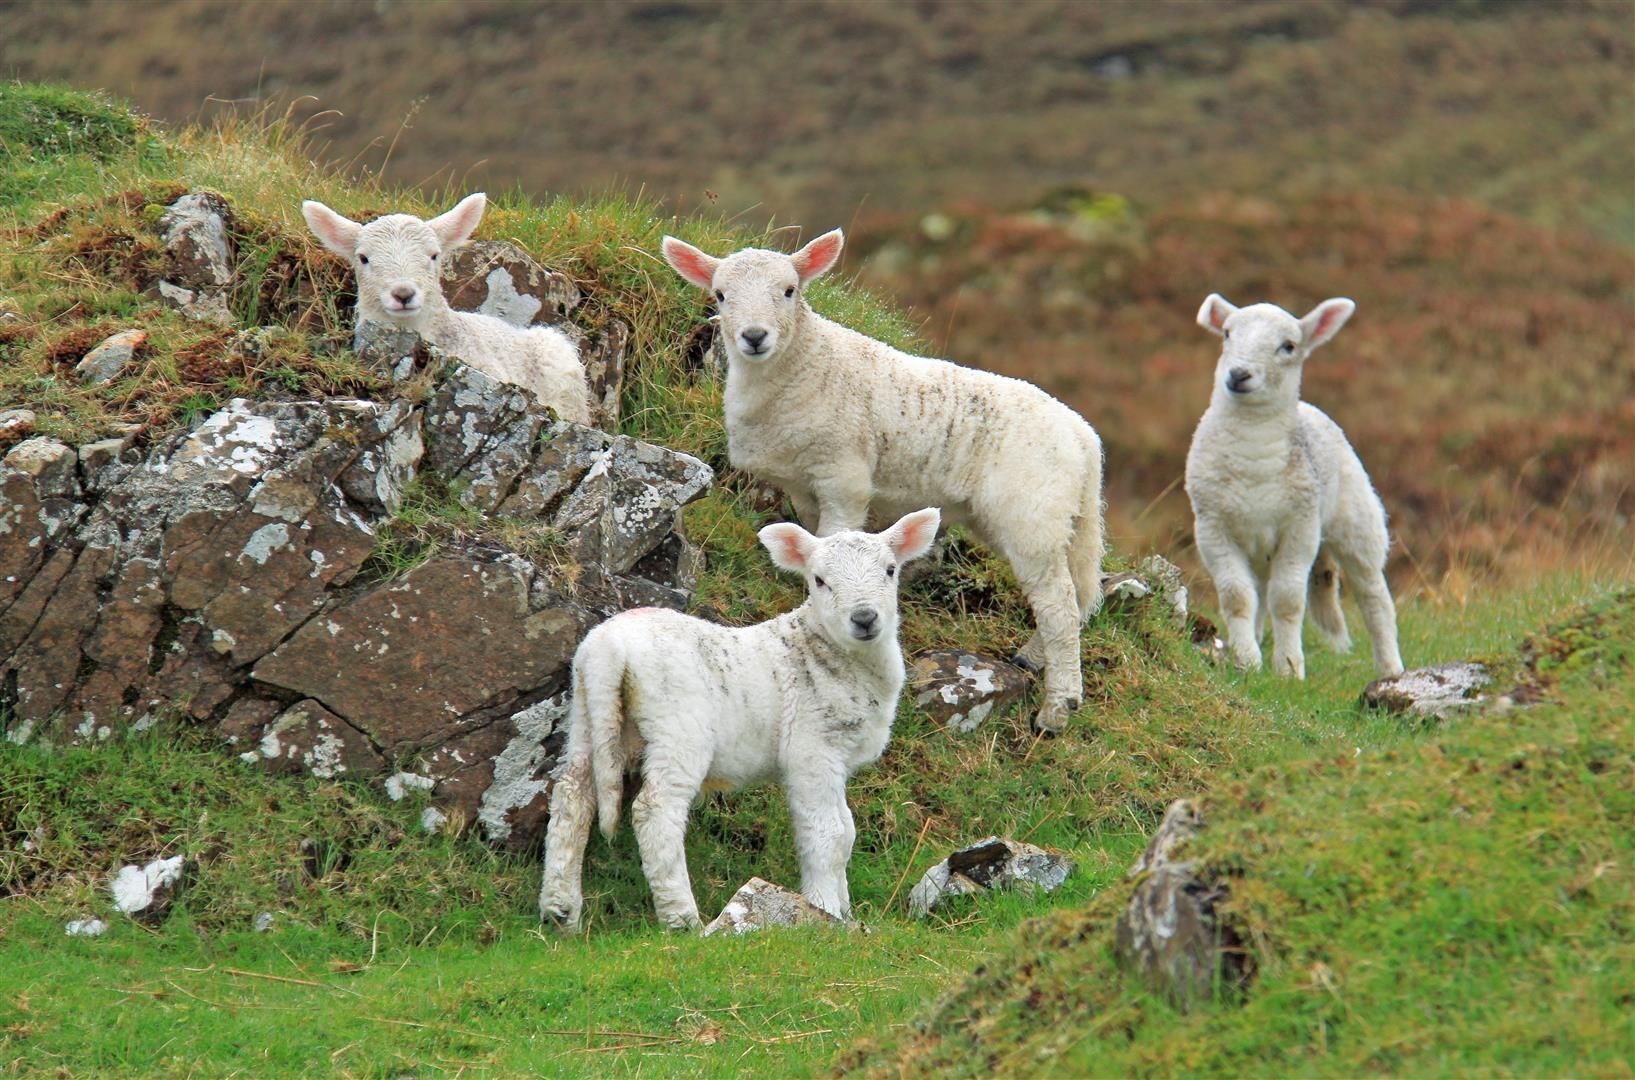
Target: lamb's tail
[1323, 602]
[598, 713]
[1085, 554]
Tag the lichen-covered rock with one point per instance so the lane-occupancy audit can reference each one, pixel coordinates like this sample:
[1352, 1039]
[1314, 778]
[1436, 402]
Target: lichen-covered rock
[15, 426]
[216, 574]
[146, 892]
[960, 690]
[1170, 933]
[495, 277]
[603, 355]
[200, 305]
[988, 865]
[197, 240]
[109, 359]
[1157, 577]
[759, 904]
[1439, 690]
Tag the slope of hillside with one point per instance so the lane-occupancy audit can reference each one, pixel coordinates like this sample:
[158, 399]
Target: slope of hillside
[1525, 107]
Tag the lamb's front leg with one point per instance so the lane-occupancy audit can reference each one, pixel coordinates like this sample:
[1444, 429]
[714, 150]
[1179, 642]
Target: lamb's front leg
[843, 496]
[824, 832]
[1286, 596]
[1235, 588]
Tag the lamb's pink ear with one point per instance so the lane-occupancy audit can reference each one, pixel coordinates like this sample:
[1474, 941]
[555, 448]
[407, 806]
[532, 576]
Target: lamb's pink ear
[1213, 315]
[690, 262]
[338, 234]
[819, 256]
[789, 544]
[455, 227]
[1325, 320]
[913, 534]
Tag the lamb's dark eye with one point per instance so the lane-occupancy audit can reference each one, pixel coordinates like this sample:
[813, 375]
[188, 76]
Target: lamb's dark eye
[719, 295]
[1226, 335]
[434, 256]
[363, 260]
[818, 582]
[1288, 347]
[787, 293]
[891, 571]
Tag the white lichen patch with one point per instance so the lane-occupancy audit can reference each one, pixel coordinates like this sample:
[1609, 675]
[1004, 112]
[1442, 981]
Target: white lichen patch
[264, 541]
[519, 769]
[400, 784]
[134, 888]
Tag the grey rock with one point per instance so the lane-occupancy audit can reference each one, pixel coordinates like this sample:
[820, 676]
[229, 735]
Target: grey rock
[99, 455]
[1170, 933]
[197, 240]
[988, 865]
[15, 425]
[50, 463]
[263, 922]
[496, 277]
[759, 904]
[1439, 690]
[480, 434]
[603, 355]
[204, 305]
[87, 927]
[109, 359]
[400, 353]
[961, 690]
[383, 469]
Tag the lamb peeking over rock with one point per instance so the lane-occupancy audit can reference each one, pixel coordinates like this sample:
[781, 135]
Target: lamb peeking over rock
[1282, 507]
[807, 698]
[849, 427]
[395, 260]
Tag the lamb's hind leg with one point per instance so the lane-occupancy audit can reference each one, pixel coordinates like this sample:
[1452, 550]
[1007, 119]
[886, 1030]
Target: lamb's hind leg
[561, 897]
[1323, 602]
[659, 814]
[1056, 610]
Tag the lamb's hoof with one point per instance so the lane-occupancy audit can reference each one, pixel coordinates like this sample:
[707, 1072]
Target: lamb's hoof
[565, 921]
[1052, 717]
[1022, 661]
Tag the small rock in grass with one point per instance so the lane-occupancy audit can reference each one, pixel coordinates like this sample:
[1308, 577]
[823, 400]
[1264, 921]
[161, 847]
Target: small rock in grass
[149, 889]
[1438, 690]
[201, 305]
[110, 358]
[16, 425]
[196, 237]
[91, 927]
[961, 689]
[264, 921]
[986, 866]
[759, 904]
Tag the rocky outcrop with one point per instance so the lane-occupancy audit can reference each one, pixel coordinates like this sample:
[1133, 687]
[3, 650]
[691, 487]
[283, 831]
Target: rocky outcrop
[1171, 934]
[200, 255]
[987, 866]
[225, 574]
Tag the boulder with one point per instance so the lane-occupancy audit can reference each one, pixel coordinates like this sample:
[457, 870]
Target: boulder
[196, 239]
[496, 277]
[985, 866]
[759, 904]
[1439, 690]
[1170, 933]
[108, 360]
[200, 305]
[225, 574]
[960, 690]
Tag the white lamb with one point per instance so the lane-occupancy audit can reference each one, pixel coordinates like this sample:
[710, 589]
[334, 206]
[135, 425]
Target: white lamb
[807, 698]
[1281, 504]
[850, 427]
[395, 260]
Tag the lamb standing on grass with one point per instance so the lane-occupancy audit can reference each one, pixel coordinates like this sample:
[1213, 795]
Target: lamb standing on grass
[395, 260]
[848, 426]
[1282, 507]
[807, 698]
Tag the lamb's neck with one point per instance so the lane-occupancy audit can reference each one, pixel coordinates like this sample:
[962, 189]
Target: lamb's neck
[881, 659]
[1260, 435]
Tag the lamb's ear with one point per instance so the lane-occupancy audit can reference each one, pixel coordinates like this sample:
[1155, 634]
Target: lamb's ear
[1213, 315]
[338, 234]
[913, 534]
[819, 256]
[1325, 320]
[455, 227]
[689, 262]
[789, 544]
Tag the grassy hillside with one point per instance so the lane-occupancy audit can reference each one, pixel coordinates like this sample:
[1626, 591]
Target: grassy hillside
[812, 108]
[397, 951]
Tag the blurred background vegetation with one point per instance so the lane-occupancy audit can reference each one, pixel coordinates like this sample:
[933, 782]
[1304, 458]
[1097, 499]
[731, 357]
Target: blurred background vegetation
[1053, 186]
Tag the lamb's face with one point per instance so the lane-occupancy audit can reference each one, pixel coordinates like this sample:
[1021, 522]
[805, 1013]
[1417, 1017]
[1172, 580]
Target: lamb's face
[396, 257]
[757, 293]
[851, 577]
[758, 300]
[1263, 347]
[396, 261]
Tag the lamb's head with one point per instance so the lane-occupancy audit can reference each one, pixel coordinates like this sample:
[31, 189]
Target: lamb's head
[757, 292]
[851, 577]
[1263, 347]
[396, 257]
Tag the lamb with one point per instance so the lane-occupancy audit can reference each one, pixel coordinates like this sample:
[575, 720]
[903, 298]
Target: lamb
[1282, 506]
[848, 427]
[807, 698]
[395, 260]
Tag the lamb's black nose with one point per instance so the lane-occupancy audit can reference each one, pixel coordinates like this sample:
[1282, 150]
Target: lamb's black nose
[1237, 379]
[864, 621]
[753, 336]
[403, 294]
